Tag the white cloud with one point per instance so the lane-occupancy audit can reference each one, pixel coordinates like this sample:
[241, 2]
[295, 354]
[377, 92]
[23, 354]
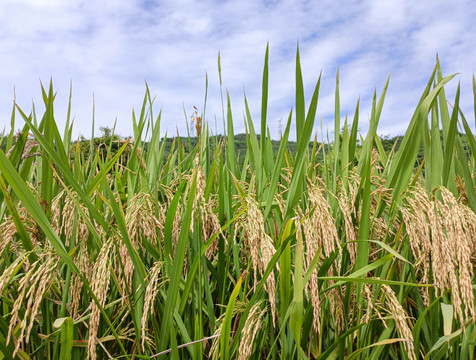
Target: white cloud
[111, 48]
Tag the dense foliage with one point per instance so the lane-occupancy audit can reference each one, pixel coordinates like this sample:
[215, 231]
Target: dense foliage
[126, 248]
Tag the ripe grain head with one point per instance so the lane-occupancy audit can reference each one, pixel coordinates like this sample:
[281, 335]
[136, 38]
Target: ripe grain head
[150, 295]
[100, 287]
[141, 223]
[252, 325]
[320, 234]
[396, 310]
[32, 289]
[63, 216]
[260, 247]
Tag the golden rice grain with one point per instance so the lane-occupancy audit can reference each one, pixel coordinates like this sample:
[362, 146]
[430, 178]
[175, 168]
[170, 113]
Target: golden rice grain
[250, 329]
[141, 223]
[441, 234]
[7, 273]
[461, 243]
[150, 295]
[32, 289]
[65, 218]
[261, 248]
[398, 314]
[100, 287]
[208, 219]
[320, 233]
[346, 206]
[76, 281]
[214, 352]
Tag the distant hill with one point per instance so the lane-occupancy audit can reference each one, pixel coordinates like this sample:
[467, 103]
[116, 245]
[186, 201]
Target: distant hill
[101, 143]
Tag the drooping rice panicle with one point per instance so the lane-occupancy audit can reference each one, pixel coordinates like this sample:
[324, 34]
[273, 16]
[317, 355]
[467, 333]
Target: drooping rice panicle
[100, 287]
[252, 326]
[398, 314]
[149, 298]
[32, 287]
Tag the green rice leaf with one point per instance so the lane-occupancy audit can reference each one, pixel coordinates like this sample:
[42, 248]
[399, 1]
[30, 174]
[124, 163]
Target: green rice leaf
[226, 330]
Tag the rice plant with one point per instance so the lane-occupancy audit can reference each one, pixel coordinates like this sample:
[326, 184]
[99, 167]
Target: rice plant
[339, 250]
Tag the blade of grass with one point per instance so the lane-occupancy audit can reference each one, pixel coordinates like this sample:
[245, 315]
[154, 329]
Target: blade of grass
[226, 330]
[180, 250]
[296, 318]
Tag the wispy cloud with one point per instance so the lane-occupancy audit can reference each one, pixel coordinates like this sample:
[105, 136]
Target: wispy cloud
[111, 48]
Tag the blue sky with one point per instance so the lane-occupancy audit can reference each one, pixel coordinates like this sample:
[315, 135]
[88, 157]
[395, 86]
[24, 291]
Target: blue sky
[111, 48]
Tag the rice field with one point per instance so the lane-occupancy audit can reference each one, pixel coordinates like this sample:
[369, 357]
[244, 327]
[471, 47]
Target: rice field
[336, 251]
